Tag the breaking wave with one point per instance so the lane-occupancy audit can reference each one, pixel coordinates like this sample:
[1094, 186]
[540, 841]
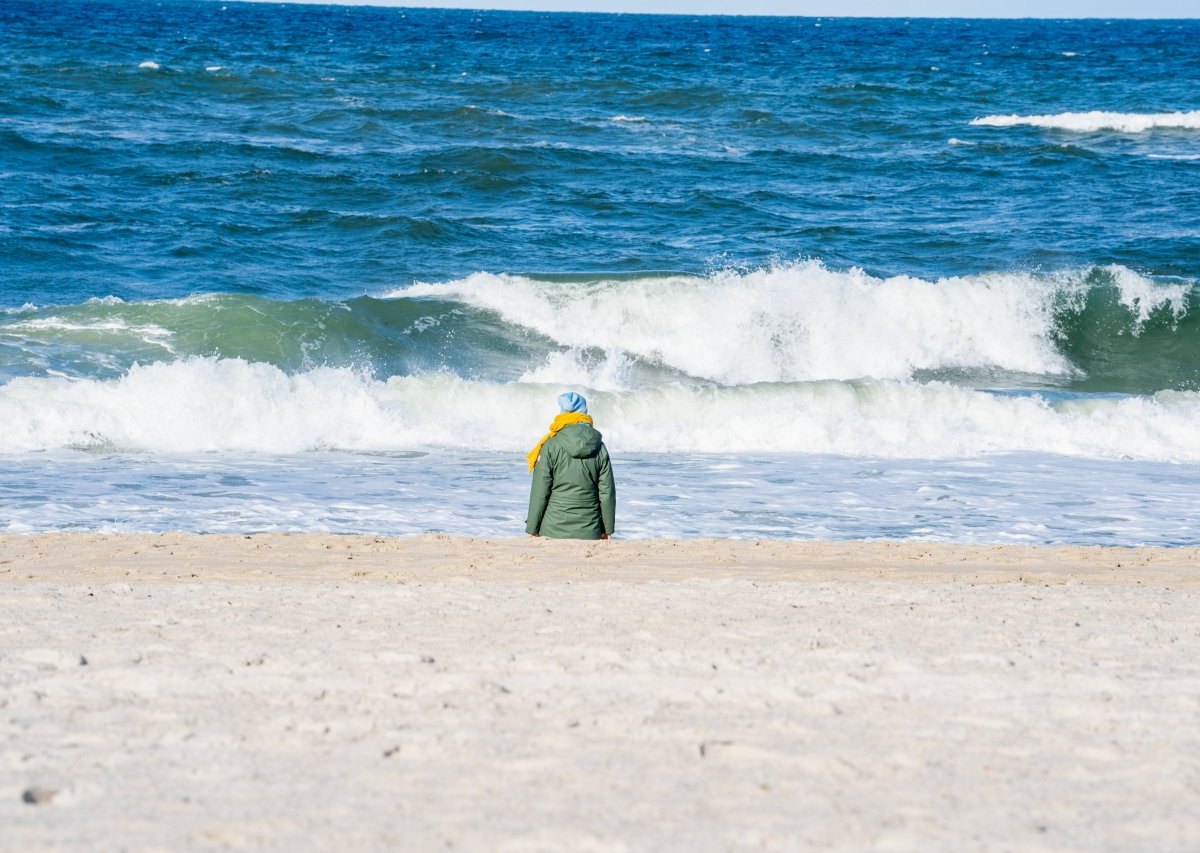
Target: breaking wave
[1105, 329]
[209, 404]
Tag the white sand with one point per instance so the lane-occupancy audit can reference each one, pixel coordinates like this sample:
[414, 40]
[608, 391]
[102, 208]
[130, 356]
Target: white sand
[309, 693]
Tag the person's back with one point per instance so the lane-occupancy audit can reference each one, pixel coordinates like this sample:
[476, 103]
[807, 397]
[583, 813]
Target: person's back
[573, 495]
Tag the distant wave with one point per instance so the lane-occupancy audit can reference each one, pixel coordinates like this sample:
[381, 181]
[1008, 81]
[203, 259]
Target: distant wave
[209, 404]
[1094, 121]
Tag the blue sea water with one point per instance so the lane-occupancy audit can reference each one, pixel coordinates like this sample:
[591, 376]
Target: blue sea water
[283, 267]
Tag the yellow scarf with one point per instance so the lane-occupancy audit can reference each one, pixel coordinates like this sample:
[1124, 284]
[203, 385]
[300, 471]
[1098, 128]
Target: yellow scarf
[565, 419]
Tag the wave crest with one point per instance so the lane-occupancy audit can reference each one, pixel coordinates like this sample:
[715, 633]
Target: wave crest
[804, 322]
[1091, 122]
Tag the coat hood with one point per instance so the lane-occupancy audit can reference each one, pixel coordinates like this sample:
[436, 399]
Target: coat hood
[580, 440]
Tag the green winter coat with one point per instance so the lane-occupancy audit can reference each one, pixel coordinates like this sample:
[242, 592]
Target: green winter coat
[573, 496]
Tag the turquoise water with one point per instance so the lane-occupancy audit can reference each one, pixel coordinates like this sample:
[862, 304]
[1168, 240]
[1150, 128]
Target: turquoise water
[351, 255]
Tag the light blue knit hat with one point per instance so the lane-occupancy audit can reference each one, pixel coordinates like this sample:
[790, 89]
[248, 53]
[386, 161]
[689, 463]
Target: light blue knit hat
[572, 402]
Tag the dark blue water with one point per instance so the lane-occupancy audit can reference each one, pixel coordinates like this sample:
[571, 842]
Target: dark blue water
[340, 151]
[233, 232]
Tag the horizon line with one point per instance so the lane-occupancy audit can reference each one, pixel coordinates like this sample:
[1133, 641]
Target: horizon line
[376, 4]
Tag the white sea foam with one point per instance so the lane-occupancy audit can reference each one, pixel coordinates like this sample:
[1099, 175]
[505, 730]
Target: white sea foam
[803, 322]
[629, 119]
[1141, 297]
[195, 405]
[146, 332]
[1091, 122]
[488, 111]
[579, 367]
[149, 65]
[205, 404]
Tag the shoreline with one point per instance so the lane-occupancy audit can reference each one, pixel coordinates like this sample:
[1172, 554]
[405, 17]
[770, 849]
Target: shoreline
[318, 557]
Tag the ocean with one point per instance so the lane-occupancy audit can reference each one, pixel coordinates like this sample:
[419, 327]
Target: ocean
[319, 268]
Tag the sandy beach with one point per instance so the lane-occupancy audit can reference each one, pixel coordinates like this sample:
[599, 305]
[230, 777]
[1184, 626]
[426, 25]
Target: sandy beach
[319, 692]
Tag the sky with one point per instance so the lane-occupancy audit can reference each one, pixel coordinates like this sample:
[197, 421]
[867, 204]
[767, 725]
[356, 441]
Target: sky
[866, 8]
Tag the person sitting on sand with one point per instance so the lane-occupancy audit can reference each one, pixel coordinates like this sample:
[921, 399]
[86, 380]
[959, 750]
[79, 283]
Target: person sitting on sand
[572, 496]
